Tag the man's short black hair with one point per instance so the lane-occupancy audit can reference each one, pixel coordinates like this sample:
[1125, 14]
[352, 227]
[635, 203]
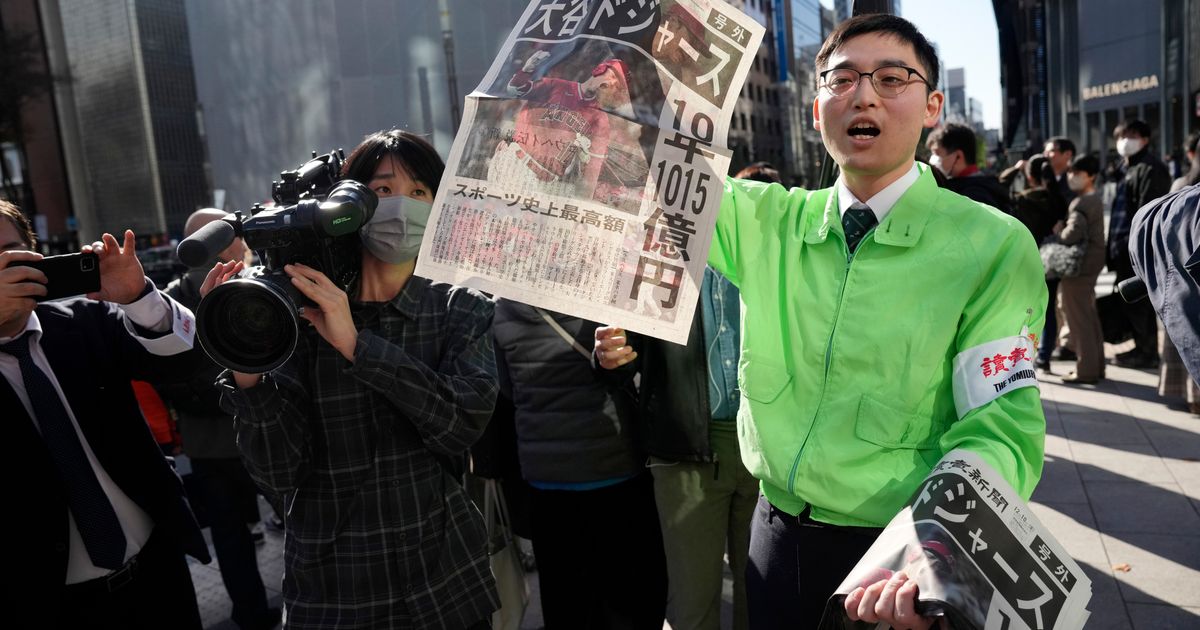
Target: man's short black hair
[1062, 144]
[760, 172]
[886, 24]
[1132, 125]
[954, 137]
[10, 212]
[1086, 163]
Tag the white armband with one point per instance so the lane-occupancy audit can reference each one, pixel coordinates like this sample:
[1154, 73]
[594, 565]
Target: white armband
[986, 372]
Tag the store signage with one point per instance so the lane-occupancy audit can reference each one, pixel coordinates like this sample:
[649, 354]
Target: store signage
[1116, 88]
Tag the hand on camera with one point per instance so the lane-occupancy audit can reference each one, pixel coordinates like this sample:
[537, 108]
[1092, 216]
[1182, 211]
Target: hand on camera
[19, 285]
[610, 349]
[221, 273]
[331, 316]
[121, 276]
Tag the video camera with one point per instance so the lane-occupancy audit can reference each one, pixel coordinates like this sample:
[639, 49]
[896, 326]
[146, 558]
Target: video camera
[250, 323]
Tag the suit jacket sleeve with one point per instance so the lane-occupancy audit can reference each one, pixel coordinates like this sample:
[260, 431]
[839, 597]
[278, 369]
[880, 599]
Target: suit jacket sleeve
[130, 345]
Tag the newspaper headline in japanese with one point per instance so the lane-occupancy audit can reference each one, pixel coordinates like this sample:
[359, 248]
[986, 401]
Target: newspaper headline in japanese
[590, 164]
[981, 559]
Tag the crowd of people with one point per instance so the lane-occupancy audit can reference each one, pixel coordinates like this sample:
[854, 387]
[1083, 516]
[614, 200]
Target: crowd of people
[1063, 197]
[817, 389]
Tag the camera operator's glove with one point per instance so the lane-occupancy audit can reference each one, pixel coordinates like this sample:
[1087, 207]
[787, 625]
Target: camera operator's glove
[534, 61]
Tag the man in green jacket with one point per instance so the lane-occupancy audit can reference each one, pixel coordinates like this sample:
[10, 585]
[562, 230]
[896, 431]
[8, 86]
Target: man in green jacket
[885, 322]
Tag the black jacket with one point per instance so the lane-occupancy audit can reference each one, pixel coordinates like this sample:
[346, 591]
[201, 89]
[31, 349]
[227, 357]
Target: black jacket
[207, 431]
[1039, 209]
[93, 358]
[1146, 179]
[982, 188]
[673, 405]
[572, 426]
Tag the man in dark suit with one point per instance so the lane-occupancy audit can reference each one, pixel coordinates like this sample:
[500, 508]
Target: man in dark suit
[97, 521]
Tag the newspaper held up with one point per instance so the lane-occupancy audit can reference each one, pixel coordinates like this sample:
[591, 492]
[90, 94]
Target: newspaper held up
[590, 163]
[981, 559]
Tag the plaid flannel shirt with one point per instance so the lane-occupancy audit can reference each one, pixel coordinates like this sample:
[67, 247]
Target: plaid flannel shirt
[378, 534]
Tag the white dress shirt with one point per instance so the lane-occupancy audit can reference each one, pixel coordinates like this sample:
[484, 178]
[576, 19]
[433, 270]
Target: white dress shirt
[153, 313]
[883, 201]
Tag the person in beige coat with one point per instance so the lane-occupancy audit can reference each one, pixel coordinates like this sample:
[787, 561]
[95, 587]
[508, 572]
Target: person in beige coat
[1085, 224]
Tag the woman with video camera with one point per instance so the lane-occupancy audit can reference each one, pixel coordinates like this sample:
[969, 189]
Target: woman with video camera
[357, 431]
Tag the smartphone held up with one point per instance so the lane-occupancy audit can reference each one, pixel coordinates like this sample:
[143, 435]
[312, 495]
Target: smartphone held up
[67, 275]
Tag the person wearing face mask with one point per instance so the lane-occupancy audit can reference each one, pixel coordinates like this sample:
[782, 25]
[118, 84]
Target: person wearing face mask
[1077, 296]
[952, 150]
[1040, 208]
[357, 432]
[1142, 178]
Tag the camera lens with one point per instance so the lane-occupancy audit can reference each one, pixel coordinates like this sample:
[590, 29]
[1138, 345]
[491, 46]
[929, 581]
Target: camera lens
[87, 263]
[248, 325]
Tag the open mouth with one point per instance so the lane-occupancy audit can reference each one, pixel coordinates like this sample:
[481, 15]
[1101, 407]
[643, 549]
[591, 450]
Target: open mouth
[863, 131]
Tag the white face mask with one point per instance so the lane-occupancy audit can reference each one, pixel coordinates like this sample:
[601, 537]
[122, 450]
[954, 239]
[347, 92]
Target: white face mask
[1129, 146]
[394, 233]
[937, 162]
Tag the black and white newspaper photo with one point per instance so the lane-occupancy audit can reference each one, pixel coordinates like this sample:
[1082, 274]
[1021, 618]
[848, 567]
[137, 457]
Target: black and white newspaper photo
[590, 163]
[981, 559]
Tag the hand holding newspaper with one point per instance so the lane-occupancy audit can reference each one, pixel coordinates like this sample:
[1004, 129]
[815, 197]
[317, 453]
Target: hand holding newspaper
[980, 557]
[590, 165]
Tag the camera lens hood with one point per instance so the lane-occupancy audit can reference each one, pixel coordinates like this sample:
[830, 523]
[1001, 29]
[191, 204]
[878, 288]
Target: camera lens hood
[249, 324]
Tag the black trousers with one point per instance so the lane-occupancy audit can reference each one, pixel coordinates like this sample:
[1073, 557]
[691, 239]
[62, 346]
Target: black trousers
[159, 595]
[228, 496]
[600, 557]
[796, 564]
[1050, 332]
[1140, 314]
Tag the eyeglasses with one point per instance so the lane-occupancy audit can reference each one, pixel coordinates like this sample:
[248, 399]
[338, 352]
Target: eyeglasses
[889, 81]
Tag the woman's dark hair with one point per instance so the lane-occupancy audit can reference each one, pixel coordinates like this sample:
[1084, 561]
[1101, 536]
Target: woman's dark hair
[1192, 177]
[417, 157]
[1039, 170]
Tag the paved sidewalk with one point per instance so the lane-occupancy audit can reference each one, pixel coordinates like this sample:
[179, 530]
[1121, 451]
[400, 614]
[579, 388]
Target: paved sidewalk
[1121, 488]
[1121, 492]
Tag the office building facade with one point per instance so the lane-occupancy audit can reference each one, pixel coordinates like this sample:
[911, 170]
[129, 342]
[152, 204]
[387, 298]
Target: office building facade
[124, 114]
[321, 74]
[1104, 61]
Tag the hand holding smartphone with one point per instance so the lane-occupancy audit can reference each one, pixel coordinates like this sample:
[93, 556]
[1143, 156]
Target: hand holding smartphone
[67, 275]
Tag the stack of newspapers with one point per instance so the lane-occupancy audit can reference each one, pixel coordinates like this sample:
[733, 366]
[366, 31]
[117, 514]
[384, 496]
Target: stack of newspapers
[981, 559]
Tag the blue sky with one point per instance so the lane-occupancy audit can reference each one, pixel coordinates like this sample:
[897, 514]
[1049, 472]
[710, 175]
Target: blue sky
[965, 32]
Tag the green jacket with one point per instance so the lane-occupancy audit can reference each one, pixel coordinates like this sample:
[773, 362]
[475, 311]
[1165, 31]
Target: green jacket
[850, 366]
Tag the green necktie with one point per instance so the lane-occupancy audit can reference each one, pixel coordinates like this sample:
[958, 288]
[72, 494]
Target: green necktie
[856, 222]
